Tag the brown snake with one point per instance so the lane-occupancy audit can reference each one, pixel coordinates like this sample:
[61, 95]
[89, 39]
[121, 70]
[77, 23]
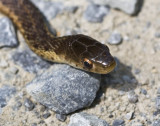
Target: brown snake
[79, 51]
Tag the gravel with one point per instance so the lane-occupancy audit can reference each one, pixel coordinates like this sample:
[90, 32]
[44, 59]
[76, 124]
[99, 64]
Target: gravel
[158, 102]
[7, 33]
[29, 104]
[130, 7]
[29, 61]
[132, 97]
[84, 119]
[115, 38]
[5, 94]
[118, 122]
[61, 117]
[64, 94]
[95, 13]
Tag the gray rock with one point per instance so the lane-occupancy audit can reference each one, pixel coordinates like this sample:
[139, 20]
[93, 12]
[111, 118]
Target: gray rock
[115, 38]
[51, 9]
[61, 117]
[129, 115]
[143, 91]
[84, 119]
[132, 97]
[118, 122]
[157, 35]
[29, 104]
[29, 61]
[7, 33]
[5, 94]
[128, 6]
[158, 91]
[158, 102]
[46, 115]
[156, 123]
[95, 13]
[64, 89]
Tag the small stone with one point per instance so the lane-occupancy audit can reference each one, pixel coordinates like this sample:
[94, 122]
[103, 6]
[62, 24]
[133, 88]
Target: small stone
[46, 115]
[34, 124]
[111, 116]
[71, 9]
[132, 97]
[126, 78]
[5, 94]
[128, 6]
[28, 104]
[7, 33]
[49, 8]
[129, 115]
[13, 70]
[61, 117]
[158, 91]
[156, 113]
[3, 63]
[115, 38]
[17, 106]
[84, 119]
[158, 102]
[95, 13]
[143, 91]
[137, 71]
[64, 89]
[156, 123]
[157, 34]
[29, 61]
[118, 122]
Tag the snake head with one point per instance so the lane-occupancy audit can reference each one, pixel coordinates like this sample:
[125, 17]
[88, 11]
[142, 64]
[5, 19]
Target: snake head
[94, 56]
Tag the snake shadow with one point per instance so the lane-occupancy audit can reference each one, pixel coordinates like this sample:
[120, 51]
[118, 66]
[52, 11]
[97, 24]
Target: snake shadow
[121, 79]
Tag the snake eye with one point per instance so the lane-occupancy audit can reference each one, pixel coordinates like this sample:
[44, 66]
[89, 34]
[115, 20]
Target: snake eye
[87, 63]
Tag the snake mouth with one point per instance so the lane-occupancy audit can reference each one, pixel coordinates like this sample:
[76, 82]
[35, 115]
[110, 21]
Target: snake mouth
[109, 67]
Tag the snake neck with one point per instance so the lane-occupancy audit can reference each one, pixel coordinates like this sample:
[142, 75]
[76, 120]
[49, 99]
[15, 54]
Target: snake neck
[34, 28]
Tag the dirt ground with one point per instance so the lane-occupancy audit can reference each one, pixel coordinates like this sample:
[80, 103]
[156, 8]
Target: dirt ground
[140, 50]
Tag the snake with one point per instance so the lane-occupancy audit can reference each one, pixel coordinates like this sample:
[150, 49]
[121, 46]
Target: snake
[79, 51]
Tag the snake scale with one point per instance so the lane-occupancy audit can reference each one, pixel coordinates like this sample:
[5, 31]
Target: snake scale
[79, 50]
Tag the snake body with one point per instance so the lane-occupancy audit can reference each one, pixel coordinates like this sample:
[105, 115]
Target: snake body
[79, 51]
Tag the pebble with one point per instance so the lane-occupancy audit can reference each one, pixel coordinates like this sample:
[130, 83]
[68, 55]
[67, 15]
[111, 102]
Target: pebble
[156, 113]
[156, 123]
[51, 9]
[13, 70]
[3, 63]
[132, 97]
[7, 33]
[17, 106]
[158, 102]
[46, 115]
[29, 61]
[130, 7]
[115, 38]
[157, 35]
[29, 104]
[64, 92]
[61, 117]
[158, 91]
[129, 115]
[5, 94]
[118, 122]
[85, 119]
[137, 71]
[143, 91]
[95, 13]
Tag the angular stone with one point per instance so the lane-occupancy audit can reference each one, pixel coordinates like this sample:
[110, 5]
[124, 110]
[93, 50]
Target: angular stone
[7, 33]
[95, 13]
[84, 119]
[128, 6]
[64, 89]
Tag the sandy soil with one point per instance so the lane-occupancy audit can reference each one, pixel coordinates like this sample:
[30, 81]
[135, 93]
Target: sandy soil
[140, 49]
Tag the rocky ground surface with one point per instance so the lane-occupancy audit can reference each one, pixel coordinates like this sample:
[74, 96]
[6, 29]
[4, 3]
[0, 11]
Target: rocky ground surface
[128, 96]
